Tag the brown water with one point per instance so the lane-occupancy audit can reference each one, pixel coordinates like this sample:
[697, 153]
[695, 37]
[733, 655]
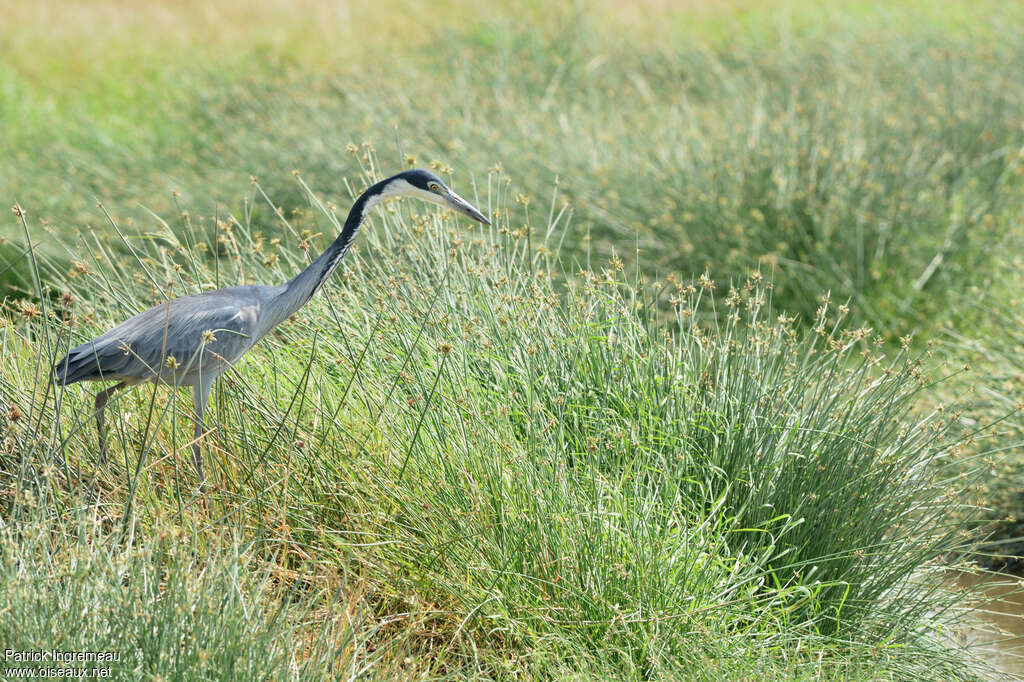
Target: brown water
[998, 637]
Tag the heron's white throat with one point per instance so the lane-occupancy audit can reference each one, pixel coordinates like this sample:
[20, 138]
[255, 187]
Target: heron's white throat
[401, 187]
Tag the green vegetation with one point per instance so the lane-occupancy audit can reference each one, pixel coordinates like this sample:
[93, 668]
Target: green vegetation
[998, 357]
[874, 161]
[552, 448]
[519, 479]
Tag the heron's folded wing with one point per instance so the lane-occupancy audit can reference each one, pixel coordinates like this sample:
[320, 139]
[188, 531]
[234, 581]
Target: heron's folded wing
[221, 326]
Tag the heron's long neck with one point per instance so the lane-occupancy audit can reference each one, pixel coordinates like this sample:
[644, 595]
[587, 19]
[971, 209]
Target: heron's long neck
[299, 290]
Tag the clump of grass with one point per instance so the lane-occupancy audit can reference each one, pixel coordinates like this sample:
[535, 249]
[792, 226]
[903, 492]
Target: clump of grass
[168, 602]
[525, 471]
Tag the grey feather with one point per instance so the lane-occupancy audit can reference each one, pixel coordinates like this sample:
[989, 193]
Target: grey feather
[140, 348]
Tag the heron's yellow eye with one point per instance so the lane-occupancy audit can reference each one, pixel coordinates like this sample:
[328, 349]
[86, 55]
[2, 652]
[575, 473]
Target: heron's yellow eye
[434, 187]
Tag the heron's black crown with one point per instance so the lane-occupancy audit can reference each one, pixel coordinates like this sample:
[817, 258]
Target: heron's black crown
[420, 178]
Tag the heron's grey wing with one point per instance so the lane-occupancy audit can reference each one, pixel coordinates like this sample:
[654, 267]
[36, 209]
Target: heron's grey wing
[204, 333]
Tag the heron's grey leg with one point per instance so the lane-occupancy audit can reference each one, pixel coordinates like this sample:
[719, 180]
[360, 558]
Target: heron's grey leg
[99, 406]
[200, 396]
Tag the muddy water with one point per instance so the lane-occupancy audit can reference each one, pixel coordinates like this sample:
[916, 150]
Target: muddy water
[999, 635]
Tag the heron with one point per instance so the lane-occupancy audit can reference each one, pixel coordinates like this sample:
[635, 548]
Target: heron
[192, 340]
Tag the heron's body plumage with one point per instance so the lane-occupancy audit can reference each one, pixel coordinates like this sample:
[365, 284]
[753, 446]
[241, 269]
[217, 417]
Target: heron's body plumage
[168, 339]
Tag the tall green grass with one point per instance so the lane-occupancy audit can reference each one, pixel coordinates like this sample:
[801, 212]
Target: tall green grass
[169, 604]
[996, 396]
[464, 460]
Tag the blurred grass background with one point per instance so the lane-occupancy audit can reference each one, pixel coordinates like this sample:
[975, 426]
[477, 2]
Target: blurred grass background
[871, 150]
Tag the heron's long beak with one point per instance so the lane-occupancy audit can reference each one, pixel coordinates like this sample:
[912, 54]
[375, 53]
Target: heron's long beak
[460, 205]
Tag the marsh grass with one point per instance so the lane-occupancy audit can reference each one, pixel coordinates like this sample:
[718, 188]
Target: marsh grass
[869, 151]
[995, 395]
[462, 460]
[534, 450]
